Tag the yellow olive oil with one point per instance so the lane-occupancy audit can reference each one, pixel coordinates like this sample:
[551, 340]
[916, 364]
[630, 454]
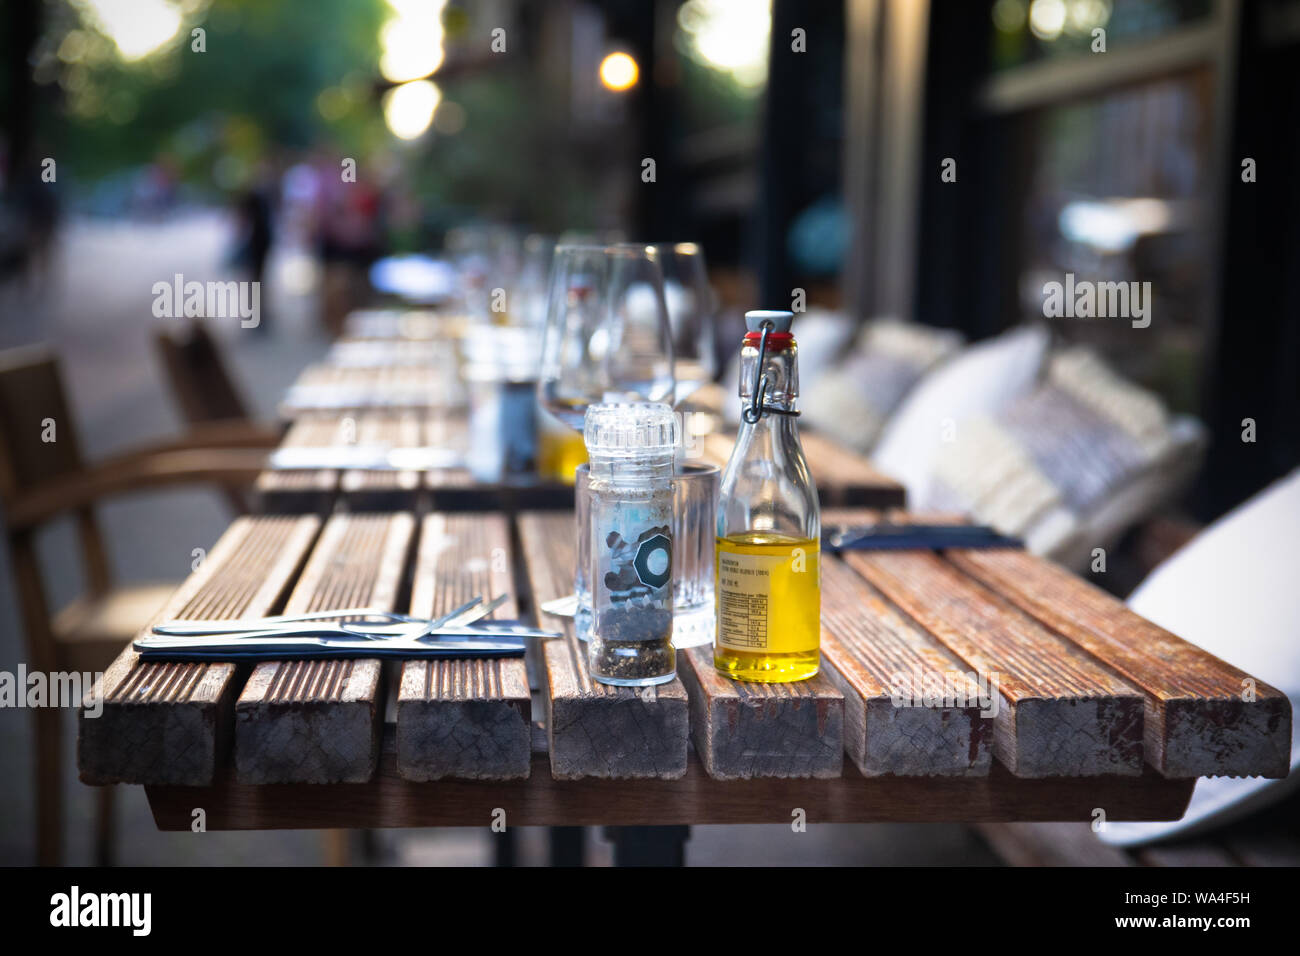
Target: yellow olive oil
[768, 606]
[767, 582]
[559, 453]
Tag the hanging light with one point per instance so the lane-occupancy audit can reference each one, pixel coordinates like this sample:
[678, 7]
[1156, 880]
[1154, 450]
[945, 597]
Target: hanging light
[619, 72]
[409, 108]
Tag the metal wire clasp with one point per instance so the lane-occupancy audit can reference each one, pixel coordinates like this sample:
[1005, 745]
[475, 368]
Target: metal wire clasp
[758, 404]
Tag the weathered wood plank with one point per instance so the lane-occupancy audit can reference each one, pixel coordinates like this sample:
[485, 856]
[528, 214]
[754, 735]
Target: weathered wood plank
[325, 387]
[302, 491]
[889, 671]
[1204, 717]
[384, 490]
[747, 730]
[467, 718]
[696, 799]
[170, 722]
[1061, 713]
[595, 730]
[319, 721]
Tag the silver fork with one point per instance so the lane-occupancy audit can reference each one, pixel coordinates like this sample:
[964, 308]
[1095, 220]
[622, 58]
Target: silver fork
[283, 624]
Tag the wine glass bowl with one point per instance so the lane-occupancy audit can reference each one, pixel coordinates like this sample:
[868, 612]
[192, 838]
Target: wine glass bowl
[636, 340]
[692, 306]
[573, 373]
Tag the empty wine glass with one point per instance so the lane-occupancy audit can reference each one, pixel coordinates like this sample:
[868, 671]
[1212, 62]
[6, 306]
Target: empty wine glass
[573, 369]
[637, 342]
[691, 308]
[607, 333]
[528, 300]
[607, 339]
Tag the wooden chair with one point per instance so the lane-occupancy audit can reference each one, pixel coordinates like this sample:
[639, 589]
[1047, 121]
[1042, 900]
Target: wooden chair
[206, 393]
[43, 477]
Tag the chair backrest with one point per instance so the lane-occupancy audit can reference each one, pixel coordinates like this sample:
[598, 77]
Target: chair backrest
[198, 378]
[38, 440]
[38, 444]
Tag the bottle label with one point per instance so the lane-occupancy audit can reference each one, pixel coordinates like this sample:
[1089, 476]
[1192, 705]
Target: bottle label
[768, 597]
[632, 567]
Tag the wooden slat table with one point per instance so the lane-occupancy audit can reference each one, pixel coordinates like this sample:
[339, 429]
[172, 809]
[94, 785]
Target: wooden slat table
[466, 718]
[1198, 720]
[319, 721]
[304, 491]
[842, 477]
[326, 387]
[410, 400]
[1073, 694]
[171, 723]
[595, 730]
[873, 652]
[317, 490]
[695, 798]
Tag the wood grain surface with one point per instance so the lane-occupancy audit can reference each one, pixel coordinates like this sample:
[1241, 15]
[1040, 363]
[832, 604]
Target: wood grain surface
[385, 489]
[894, 676]
[746, 730]
[595, 730]
[464, 718]
[1204, 717]
[1061, 713]
[318, 721]
[306, 490]
[170, 722]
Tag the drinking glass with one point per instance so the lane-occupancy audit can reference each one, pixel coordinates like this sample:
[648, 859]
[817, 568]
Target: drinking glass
[695, 521]
[573, 372]
[637, 343]
[691, 309]
[695, 518]
[528, 305]
[607, 339]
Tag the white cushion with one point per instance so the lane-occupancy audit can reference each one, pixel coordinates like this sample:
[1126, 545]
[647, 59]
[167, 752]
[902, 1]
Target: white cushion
[852, 401]
[1069, 465]
[1232, 591]
[979, 380]
[1157, 485]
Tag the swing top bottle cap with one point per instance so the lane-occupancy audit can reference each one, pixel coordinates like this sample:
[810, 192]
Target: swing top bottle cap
[630, 429]
[780, 320]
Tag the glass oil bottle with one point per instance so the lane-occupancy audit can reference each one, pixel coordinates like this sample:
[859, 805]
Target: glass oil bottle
[768, 586]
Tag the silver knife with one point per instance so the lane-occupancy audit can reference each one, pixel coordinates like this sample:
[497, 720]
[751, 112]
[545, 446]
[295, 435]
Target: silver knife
[274, 647]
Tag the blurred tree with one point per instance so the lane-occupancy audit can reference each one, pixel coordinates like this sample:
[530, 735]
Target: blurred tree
[269, 74]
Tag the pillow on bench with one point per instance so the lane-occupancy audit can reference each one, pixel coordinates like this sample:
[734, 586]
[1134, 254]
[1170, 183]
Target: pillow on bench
[978, 380]
[1069, 465]
[852, 402]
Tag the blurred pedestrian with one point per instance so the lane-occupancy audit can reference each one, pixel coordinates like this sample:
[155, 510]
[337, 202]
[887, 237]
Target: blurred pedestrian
[255, 238]
[350, 231]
